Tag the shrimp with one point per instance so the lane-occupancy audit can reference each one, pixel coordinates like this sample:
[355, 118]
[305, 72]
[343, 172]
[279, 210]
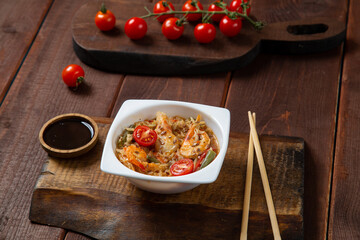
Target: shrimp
[166, 143]
[135, 156]
[196, 141]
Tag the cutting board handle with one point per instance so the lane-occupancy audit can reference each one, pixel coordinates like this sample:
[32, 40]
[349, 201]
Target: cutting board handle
[303, 36]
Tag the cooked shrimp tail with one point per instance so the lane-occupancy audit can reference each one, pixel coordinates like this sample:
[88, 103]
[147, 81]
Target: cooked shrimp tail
[166, 143]
[136, 156]
[196, 141]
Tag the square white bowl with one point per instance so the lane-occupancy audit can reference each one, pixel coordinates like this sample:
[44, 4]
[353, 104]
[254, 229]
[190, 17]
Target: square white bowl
[218, 119]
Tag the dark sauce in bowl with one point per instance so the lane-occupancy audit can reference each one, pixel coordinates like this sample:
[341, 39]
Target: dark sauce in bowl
[69, 133]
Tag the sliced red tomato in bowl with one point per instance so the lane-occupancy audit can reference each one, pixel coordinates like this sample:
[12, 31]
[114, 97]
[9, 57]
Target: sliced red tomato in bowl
[144, 136]
[200, 160]
[182, 167]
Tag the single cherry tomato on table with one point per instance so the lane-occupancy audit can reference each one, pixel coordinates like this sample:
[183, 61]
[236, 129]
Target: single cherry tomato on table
[235, 6]
[73, 75]
[190, 5]
[135, 28]
[204, 32]
[161, 7]
[105, 19]
[172, 28]
[230, 27]
[215, 7]
[182, 167]
[144, 136]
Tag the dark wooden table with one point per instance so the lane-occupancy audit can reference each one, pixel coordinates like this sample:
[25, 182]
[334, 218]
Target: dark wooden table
[314, 96]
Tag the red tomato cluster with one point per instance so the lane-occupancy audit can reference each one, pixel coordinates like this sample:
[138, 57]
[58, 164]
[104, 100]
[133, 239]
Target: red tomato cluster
[204, 32]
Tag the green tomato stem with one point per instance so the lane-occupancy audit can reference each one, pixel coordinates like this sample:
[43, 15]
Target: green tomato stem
[103, 8]
[258, 25]
[79, 80]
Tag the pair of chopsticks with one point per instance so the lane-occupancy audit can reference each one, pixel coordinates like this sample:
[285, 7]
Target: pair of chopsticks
[254, 142]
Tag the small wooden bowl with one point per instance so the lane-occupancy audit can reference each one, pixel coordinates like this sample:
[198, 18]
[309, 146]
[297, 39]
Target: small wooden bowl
[69, 153]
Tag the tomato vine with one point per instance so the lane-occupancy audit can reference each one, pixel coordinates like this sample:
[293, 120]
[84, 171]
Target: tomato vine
[258, 25]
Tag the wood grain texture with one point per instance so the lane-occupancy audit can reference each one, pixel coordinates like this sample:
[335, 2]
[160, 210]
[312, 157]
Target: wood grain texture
[345, 209]
[76, 195]
[213, 88]
[288, 94]
[292, 103]
[37, 95]
[76, 236]
[18, 27]
[155, 55]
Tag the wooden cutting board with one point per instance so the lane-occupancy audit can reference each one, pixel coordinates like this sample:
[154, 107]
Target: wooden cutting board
[155, 55]
[74, 194]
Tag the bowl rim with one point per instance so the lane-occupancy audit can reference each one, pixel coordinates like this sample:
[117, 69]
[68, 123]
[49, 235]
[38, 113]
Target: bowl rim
[68, 153]
[221, 116]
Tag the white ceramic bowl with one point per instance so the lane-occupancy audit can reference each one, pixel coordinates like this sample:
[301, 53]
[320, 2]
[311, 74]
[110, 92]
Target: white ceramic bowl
[218, 119]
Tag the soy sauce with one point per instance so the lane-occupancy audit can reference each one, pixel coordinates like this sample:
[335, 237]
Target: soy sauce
[68, 133]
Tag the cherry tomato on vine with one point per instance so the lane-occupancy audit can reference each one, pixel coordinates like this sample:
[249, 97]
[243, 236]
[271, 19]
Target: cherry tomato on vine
[144, 136]
[135, 28]
[215, 7]
[163, 6]
[204, 32]
[172, 28]
[182, 167]
[190, 5]
[235, 5]
[105, 19]
[230, 27]
[73, 75]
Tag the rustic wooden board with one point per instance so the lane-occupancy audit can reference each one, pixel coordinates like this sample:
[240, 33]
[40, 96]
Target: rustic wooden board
[154, 54]
[345, 209]
[296, 95]
[38, 94]
[74, 194]
[294, 103]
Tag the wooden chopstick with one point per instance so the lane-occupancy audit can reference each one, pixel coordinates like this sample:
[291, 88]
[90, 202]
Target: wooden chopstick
[248, 180]
[265, 180]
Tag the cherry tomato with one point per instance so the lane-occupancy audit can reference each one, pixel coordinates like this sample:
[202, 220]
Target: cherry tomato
[190, 5]
[230, 27]
[205, 32]
[182, 167]
[235, 5]
[163, 6]
[73, 75]
[171, 28]
[144, 136]
[105, 19]
[135, 28]
[213, 7]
